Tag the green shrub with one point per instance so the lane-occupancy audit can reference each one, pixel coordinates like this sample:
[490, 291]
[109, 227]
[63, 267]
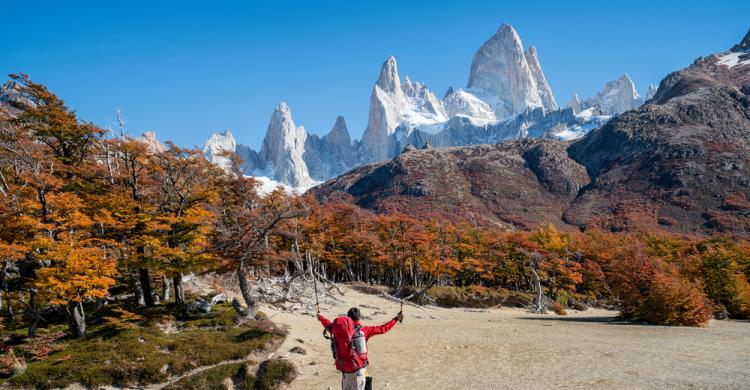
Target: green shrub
[214, 378]
[274, 372]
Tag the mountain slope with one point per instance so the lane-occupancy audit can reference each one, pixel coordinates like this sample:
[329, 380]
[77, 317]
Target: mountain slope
[512, 184]
[682, 160]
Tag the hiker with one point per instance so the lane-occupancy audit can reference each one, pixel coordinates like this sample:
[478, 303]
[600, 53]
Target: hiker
[349, 345]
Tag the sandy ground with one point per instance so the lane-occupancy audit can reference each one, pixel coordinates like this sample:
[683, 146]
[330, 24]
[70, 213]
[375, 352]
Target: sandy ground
[437, 348]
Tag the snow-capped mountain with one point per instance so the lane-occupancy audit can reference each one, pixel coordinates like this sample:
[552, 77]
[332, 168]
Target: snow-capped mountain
[217, 146]
[393, 104]
[283, 147]
[502, 75]
[507, 97]
[617, 97]
[289, 155]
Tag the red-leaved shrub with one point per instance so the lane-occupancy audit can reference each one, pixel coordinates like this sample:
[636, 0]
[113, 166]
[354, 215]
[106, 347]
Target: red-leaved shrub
[672, 300]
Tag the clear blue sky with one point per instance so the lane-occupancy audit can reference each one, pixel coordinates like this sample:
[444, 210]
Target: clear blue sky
[185, 68]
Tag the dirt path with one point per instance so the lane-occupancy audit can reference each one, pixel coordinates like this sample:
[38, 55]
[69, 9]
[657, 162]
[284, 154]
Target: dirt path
[509, 348]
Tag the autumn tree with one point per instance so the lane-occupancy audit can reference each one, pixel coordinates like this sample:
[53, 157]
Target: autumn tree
[245, 225]
[186, 188]
[53, 174]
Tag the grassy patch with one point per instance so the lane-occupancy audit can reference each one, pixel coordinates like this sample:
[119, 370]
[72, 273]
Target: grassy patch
[271, 374]
[140, 353]
[214, 378]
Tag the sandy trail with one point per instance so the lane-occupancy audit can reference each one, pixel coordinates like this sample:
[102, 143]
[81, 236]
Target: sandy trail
[437, 348]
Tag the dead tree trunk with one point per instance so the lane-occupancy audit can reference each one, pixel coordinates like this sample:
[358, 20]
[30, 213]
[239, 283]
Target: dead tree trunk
[146, 286]
[164, 288]
[76, 318]
[179, 293]
[138, 292]
[539, 305]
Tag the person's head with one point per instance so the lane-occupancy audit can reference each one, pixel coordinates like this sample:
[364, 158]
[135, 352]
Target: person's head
[353, 313]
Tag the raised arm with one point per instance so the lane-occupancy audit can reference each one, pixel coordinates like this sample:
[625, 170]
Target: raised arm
[370, 331]
[323, 320]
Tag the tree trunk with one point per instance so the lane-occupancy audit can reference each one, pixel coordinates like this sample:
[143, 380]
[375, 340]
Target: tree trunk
[138, 292]
[146, 286]
[76, 318]
[252, 304]
[9, 304]
[179, 293]
[32, 314]
[165, 288]
[539, 306]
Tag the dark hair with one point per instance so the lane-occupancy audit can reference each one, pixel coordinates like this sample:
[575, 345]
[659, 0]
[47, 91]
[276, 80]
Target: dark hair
[353, 313]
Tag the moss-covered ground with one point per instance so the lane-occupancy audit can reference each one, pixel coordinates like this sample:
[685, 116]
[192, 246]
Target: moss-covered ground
[138, 346]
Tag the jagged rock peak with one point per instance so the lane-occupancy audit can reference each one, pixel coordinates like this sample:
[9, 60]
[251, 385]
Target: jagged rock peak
[500, 73]
[744, 45]
[152, 143]
[617, 97]
[10, 92]
[448, 92]
[283, 110]
[575, 103]
[545, 92]
[651, 91]
[339, 134]
[283, 147]
[388, 80]
[217, 146]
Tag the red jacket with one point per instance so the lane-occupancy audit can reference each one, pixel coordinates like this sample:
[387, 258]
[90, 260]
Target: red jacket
[346, 362]
[369, 331]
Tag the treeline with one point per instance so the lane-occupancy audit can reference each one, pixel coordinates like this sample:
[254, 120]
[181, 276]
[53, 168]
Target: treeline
[653, 277]
[88, 215]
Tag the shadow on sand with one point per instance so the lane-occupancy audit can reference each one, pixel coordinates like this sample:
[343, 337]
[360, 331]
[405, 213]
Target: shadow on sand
[600, 320]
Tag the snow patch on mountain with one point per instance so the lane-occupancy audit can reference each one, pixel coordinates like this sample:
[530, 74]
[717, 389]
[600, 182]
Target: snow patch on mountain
[268, 185]
[732, 59]
[463, 103]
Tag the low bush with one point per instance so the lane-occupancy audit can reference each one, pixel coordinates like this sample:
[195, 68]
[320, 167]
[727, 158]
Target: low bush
[559, 309]
[274, 372]
[674, 301]
[477, 297]
[214, 378]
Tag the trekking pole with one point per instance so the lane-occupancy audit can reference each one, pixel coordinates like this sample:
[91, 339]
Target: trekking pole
[315, 283]
[402, 310]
